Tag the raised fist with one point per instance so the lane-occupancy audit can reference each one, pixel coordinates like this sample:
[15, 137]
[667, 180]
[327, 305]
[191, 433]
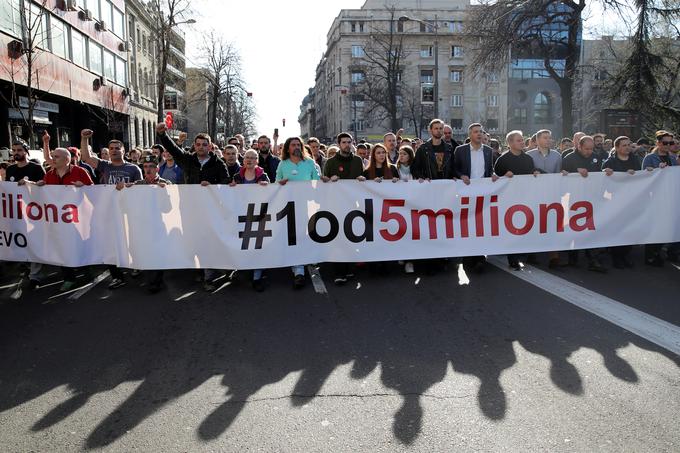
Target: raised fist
[182, 137]
[46, 137]
[86, 133]
[161, 128]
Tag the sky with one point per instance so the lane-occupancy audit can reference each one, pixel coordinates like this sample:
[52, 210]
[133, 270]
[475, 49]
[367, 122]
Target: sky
[281, 43]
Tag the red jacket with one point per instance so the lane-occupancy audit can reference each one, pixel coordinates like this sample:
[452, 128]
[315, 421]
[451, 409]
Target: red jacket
[72, 175]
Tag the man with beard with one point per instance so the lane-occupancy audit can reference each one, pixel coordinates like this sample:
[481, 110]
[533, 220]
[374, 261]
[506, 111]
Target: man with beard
[434, 158]
[390, 144]
[200, 167]
[317, 154]
[267, 161]
[448, 137]
[344, 165]
[111, 172]
[599, 151]
[25, 170]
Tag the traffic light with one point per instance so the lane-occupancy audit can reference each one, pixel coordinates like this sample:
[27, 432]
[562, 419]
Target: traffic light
[284, 122]
[168, 120]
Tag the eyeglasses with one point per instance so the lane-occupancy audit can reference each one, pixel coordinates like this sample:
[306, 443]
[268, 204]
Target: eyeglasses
[668, 143]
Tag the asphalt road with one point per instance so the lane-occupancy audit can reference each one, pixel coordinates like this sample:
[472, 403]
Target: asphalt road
[389, 362]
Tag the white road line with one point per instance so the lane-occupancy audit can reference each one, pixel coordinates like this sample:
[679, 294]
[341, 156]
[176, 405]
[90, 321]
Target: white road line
[98, 279]
[317, 281]
[657, 331]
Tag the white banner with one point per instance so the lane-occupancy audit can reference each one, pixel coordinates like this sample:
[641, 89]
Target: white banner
[246, 227]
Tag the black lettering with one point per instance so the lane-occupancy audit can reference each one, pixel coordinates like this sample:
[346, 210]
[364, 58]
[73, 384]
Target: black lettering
[332, 220]
[24, 242]
[367, 217]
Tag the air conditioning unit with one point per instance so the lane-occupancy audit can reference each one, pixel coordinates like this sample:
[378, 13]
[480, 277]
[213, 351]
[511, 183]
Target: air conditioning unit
[100, 26]
[15, 49]
[67, 5]
[85, 14]
[124, 46]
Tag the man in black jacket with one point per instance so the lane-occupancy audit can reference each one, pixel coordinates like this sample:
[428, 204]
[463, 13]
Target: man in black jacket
[268, 161]
[434, 157]
[583, 161]
[202, 167]
[622, 160]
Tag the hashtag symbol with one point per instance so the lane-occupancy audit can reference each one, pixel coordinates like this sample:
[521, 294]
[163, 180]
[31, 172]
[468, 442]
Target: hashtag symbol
[258, 234]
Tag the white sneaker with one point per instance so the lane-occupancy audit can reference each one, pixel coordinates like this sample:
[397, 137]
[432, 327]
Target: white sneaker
[408, 268]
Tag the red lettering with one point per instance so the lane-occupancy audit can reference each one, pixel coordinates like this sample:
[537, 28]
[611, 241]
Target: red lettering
[464, 231]
[386, 216]
[53, 209]
[494, 216]
[528, 219]
[479, 217]
[586, 215]
[70, 214]
[544, 210]
[29, 211]
[20, 206]
[432, 222]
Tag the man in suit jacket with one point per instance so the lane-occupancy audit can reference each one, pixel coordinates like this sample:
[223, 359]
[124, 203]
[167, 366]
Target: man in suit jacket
[472, 160]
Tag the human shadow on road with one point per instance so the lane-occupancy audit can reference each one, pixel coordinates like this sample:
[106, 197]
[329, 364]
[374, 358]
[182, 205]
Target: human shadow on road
[410, 335]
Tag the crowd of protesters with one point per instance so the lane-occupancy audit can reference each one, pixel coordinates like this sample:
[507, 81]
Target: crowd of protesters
[396, 159]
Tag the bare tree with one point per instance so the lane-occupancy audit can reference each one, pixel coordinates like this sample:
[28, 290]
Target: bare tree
[381, 67]
[169, 14]
[24, 68]
[417, 113]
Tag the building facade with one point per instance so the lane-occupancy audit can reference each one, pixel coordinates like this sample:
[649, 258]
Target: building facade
[78, 76]
[142, 68]
[432, 57]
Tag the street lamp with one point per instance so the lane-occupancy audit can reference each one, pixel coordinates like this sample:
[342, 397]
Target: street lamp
[436, 55]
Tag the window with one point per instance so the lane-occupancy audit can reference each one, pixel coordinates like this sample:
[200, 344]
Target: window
[144, 42]
[81, 4]
[139, 40]
[107, 14]
[542, 109]
[534, 69]
[491, 124]
[357, 77]
[93, 6]
[456, 52]
[59, 37]
[10, 20]
[361, 27]
[36, 18]
[358, 126]
[399, 75]
[400, 26]
[95, 57]
[492, 100]
[118, 23]
[456, 26]
[492, 77]
[520, 116]
[170, 100]
[427, 26]
[78, 48]
[353, 27]
[109, 65]
[357, 101]
[121, 78]
[457, 124]
[357, 51]
[456, 100]
[456, 75]
[426, 76]
[426, 51]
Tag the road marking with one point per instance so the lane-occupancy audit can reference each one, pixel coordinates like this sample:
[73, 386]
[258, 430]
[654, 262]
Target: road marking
[317, 281]
[653, 329]
[98, 279]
